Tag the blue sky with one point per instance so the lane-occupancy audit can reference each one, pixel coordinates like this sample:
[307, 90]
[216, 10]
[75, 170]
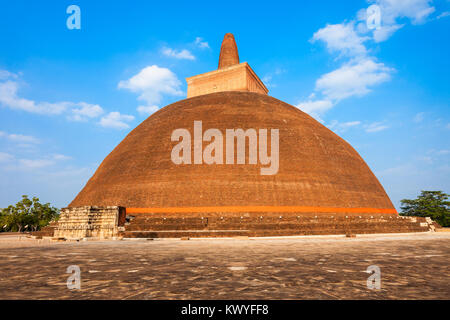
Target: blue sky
[68, 97]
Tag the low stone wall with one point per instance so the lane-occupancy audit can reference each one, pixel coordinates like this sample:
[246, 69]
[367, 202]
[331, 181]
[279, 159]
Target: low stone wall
[150, 225]
[84, 222]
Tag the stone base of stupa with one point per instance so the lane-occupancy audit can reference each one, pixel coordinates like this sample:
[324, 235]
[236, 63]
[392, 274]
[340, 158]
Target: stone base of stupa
[112, 222]
[193, 225]
[86, 222]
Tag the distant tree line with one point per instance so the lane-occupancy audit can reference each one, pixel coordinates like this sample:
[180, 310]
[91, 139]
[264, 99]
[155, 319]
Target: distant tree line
[27, 215]
[433, 204]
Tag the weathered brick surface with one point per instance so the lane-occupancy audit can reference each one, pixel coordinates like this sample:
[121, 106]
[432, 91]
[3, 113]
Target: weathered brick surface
[109, 222]
[317, 168]
[47, 231]
[238, 77]
[228, 52]
[158, 226]
[89, 221]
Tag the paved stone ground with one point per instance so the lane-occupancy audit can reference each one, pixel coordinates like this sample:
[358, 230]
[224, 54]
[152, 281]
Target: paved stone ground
[412, 267]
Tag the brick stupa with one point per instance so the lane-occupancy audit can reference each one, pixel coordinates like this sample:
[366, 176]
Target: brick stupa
[323, 186]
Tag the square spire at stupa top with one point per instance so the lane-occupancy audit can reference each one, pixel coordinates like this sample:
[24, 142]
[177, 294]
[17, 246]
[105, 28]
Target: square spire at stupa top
[230, 76]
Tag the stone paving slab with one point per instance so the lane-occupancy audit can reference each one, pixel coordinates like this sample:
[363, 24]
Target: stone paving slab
[412, 266]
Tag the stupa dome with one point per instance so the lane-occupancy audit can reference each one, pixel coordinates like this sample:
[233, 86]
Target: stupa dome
[318, 170]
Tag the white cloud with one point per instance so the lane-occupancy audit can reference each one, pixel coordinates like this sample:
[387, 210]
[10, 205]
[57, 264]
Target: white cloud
[350, 124]
[147, 110]
[342, 38]
[425, 159]
[10, 99]
[40, 163]
[343, 126]
[35, 163]
[443, 152]
[19, 138]
[415, 10]
[116, 120]
[84, 111]
[384, 32]
[419, 117]
[61, 157]
[353, 79]
[5, 157]
[315, 108]
[376, 127]
[24, 164]
[151, 83]
[361, 72]
[267, 79]
[443, 15]
[200, 43]
[5, 74]
[22, 138]
[178, 54]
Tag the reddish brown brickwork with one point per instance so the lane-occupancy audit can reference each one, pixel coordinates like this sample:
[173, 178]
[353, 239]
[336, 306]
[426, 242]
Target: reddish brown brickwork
[147, 225]
[228, 52]
[239, 77]
[317, 168]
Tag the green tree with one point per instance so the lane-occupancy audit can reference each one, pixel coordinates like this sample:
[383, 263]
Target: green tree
[27, 214]
[433, 204]
[3, 223]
